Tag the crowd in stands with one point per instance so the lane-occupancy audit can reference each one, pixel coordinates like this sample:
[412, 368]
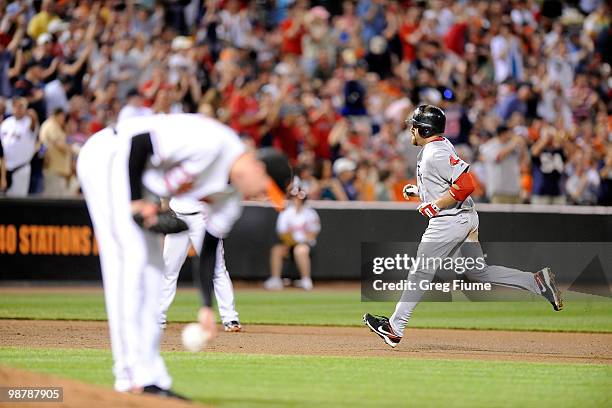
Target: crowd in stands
[525, 85]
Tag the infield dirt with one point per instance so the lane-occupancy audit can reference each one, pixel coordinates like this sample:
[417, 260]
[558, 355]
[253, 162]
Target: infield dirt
[78, 395]
[337, 341]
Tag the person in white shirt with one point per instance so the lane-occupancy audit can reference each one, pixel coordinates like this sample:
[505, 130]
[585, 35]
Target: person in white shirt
[502, 157]
[297, 227]
[506, 54]
[19, 142]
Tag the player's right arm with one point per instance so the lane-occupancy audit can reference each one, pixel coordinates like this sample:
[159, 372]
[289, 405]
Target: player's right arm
[140, 150]
[223, 213]
[459, 191]
[208, 257]
[2, 169]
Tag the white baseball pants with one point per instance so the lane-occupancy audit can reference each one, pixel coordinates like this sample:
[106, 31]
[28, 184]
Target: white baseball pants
[20, 184]
[131, 261]
[176, 247]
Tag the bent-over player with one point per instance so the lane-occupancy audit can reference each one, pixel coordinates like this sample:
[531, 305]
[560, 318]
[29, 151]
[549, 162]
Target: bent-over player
[183, 155]
[444, 187]
[176, 247]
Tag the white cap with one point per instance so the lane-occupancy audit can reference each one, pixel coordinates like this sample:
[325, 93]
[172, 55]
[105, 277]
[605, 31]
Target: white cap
[56, 25]
[270, 89]
[343, 164]
[181, 43]
[43, 38]
[378, 45]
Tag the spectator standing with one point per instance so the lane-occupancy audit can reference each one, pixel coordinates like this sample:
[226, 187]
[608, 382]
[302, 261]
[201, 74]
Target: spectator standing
[297, 226]
[245, 115]
[317, 43]
[548, 163]
[9, 52]
[235, 27]
[19, 142]
[605, 173]
[506, 54]
[583, 184]
[382, 189]
[502, 158]
[57, 168]
[322, 120]
[329, 188]
[372, 15]
[409, 33]
[378, 57]
[292, 30]
[40, 22]
[344, 169]
[398, 178]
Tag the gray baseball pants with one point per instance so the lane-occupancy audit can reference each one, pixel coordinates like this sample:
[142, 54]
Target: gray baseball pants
[452, 236]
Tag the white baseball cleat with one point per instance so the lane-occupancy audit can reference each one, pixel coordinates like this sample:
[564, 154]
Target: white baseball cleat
[273, 283]
[304, 283]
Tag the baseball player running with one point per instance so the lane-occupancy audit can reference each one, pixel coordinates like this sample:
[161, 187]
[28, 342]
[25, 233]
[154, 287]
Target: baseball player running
[176, 247]
[182, 155]
[444, 187]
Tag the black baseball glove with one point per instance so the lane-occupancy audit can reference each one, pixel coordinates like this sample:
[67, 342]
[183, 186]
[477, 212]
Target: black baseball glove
[167, 223]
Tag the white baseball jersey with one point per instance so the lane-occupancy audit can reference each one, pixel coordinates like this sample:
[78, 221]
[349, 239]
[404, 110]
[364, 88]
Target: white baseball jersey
[298, 223]
[438, 168]
[192, 158]
[185, 205]
[220, 211]
[130, 111]
[18, 141]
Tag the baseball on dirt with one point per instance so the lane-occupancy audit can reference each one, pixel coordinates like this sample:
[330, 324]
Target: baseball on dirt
[194, 337]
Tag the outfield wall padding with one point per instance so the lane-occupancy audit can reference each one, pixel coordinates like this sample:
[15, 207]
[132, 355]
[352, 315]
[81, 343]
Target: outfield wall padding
[44, 239]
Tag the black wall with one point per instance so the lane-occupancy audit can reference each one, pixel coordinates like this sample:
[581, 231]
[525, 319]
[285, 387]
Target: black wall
[337, 255]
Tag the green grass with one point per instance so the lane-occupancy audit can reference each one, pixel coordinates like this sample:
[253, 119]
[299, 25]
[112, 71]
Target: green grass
[227, 380]
[341, 308]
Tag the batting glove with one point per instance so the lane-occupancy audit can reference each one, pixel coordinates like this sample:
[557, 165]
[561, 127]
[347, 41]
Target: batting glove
[429, 210]
[410, 190]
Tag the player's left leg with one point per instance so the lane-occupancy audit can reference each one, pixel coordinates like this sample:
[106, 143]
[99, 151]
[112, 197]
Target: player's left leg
[224, 293]
[20, 182]
[150, 369]
[140, 276]
[222, 283]
[176, 247]
[541, 283]
[277, 254]
[301, 253]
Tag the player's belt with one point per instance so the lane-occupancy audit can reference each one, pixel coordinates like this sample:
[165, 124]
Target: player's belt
[19, 167]
[452, 215]
[191, 213]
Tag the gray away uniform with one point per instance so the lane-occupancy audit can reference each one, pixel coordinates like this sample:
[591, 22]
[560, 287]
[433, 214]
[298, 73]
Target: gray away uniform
[452, 233]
